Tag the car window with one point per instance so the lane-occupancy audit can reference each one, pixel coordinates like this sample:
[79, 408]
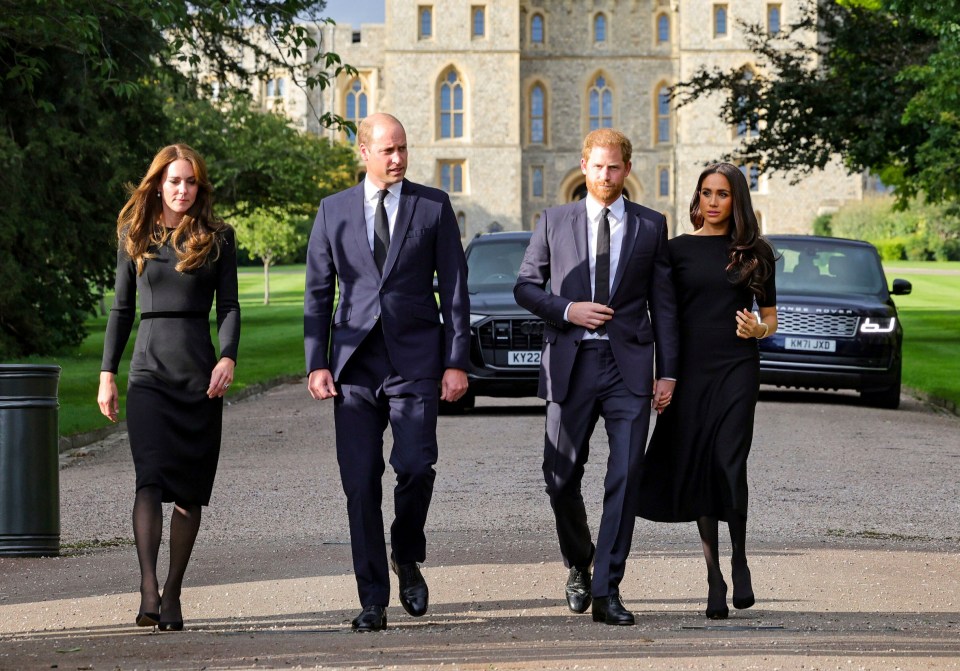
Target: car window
[494, 265]
[824, 268]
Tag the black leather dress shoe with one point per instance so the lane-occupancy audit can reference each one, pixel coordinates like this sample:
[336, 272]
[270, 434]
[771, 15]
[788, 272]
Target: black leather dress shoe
[371, 618]
[610, 610]
[414, 595]
[578, 589]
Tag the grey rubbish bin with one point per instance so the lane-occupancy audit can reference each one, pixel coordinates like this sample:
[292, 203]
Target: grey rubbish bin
[29, 461]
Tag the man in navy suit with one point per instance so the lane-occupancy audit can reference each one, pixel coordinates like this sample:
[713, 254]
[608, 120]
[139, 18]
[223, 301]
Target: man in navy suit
[385, 355]
[609, 311]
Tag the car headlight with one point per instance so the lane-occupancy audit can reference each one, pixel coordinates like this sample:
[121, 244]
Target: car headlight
[878, 324]
[476, 319]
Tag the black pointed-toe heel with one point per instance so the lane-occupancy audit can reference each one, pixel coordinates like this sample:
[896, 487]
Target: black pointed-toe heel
[171, 625]
[742, 588]
[717, 601]
[145, 618]
[148, 619]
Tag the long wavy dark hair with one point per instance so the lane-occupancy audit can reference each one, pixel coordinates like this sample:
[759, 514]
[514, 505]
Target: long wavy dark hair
[138, 225]
[751, 257]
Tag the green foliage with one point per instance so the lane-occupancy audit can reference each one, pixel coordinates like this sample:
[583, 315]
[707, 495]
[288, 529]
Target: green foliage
[821, 225]
[879, 86]
[921, 232]
[257, 160]
[269, 235]
[86, 91]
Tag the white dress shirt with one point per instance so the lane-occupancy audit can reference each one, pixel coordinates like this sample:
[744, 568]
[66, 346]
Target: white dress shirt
[391, 203]
[616, 218]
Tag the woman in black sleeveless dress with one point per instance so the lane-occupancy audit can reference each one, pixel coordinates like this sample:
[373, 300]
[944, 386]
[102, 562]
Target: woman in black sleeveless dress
[695, 468]
[178, 257]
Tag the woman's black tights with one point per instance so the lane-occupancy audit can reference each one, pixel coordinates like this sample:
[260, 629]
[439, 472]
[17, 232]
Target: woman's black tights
[147, 533]
[742, 587]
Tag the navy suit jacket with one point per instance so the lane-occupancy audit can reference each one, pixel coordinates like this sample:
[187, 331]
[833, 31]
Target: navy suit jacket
[642, 296]
[425, 240]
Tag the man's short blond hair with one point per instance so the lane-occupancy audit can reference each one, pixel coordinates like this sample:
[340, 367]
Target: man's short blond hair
[607, 137]
[367, 124]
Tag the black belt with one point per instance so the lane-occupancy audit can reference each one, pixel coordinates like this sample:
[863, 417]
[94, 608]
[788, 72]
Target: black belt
[181, 314]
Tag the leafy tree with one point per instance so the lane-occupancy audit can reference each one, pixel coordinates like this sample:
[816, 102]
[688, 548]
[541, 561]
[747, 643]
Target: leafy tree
[879, 85]
[919, 233]
[257, 160]
[268, 235]
[84, 99]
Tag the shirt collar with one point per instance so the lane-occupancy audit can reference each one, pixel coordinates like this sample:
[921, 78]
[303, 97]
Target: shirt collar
[594, 207]
[371, 192]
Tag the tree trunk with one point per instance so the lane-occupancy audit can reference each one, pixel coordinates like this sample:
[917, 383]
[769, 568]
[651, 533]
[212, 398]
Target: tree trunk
[266, 280]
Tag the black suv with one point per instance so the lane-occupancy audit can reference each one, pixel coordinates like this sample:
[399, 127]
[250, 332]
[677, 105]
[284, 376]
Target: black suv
[505, 339]
[838, 324]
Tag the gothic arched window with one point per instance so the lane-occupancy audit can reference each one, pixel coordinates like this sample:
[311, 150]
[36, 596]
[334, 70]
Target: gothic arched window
[451, 105]
[601, 104]
[355, 105]
[538, 115]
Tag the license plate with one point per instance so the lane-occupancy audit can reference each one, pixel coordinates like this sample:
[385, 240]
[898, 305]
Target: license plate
[523, 358]
[811, 344]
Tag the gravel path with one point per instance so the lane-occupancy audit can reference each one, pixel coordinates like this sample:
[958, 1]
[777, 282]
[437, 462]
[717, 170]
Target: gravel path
[853, 537]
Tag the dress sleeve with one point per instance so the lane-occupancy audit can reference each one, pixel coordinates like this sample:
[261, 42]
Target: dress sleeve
[770, 292]
[122, 314]
[228, 302]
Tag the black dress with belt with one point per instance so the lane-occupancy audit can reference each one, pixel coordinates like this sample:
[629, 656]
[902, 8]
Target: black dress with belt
[696, 462]
[174, 427]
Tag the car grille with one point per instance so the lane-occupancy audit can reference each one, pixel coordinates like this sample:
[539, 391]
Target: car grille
[511, 334]
[821, 325]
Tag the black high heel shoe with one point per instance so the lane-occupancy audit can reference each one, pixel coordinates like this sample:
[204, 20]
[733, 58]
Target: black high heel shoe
[148, 619]
[742, 587]
[144, 617]
[717, 601]
[171, 625]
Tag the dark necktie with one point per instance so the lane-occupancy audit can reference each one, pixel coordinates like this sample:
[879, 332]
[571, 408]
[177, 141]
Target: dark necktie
[601, 293]
[381, 233]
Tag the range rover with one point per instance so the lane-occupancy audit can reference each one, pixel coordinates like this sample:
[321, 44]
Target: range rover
[838, 325]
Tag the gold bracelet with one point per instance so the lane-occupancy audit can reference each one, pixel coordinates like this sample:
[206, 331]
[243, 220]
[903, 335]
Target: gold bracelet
[766, 330]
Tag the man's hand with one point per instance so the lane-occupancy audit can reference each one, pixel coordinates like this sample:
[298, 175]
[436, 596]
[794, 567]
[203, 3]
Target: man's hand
[662, 394]
[320, 384]
[454, 385]
[589, 315]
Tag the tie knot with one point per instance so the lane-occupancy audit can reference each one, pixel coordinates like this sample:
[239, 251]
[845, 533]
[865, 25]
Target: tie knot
[604, 212]
[383, 194]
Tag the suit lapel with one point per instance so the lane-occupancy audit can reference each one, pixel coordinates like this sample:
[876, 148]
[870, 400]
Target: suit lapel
[408, 202]
[631, 227]
[580, 231]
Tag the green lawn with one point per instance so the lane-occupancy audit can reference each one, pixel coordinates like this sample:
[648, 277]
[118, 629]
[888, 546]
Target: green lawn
[931, 327]
[271, 342]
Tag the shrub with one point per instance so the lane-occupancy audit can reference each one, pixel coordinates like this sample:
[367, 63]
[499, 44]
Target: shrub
[921, 232]
[891, 250]
[821, 225]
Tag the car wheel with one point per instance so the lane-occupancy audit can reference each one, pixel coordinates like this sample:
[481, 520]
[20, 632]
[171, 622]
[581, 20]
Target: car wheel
[466, 402]
[888, 398]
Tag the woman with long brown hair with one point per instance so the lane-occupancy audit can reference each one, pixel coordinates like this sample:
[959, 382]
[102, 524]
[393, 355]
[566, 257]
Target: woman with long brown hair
[178, 256]
[695, 468]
